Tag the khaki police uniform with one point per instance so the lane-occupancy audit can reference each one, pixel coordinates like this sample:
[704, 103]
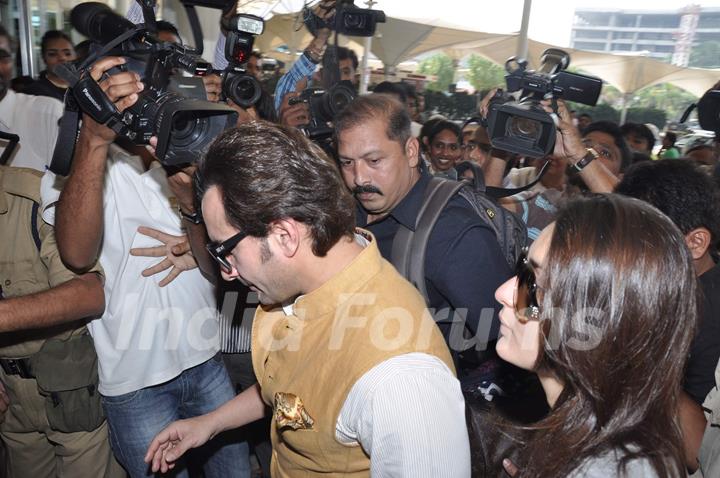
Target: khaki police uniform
[30, 263]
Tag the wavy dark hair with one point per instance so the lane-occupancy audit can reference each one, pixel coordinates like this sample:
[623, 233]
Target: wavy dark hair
[619, 312]
[266, 172]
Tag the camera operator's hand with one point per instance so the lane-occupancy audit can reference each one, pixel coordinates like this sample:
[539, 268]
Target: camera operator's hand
[485, 103]
[181, 185]
[568, 143]
[294, 115]
[245, 115]
[121, 88]
[298, 114]
[325, 10]
[213, 87]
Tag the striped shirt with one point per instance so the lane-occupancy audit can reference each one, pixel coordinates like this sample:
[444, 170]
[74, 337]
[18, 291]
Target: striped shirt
[408, 414]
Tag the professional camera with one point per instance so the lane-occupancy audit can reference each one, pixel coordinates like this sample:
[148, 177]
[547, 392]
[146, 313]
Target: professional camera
[348, 20]
[324, 105]
[521, 125]
[708, 111]
[243, 89]
[353, 21]
[183, 126]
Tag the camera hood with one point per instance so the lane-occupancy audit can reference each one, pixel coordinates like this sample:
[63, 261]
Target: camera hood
[187, 126]
[524, 129]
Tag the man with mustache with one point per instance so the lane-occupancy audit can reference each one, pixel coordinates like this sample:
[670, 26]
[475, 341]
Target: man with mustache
[379, 161]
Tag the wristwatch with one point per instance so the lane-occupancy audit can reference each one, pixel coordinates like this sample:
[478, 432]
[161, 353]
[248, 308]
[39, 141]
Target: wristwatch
[195, 218]
[590, 156]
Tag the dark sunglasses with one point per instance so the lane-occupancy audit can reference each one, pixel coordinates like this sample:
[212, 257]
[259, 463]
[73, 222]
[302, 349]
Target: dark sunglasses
[219, 252]
[526, 302]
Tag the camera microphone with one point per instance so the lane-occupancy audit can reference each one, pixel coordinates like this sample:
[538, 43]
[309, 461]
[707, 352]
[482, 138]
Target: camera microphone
[98, 22]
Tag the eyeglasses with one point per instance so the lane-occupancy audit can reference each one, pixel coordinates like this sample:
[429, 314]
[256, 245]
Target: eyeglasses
[219, 252]
[526, 303]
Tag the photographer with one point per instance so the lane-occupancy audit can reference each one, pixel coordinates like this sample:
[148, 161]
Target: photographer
[156, 365]
[300, 75]
[569, 145]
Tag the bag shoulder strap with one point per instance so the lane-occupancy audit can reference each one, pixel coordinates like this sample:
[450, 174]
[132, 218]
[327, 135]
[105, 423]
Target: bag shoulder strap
[410, 247]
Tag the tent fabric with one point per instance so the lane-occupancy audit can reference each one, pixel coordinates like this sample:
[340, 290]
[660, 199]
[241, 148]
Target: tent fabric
[627, 73]
[399, 40]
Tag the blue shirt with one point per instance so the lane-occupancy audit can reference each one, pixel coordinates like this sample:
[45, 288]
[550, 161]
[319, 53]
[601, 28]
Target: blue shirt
[302, 68]
[464, 265]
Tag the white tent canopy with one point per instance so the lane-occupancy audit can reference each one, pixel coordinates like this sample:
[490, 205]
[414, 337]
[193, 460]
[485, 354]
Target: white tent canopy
[399, 40]
[627, 73]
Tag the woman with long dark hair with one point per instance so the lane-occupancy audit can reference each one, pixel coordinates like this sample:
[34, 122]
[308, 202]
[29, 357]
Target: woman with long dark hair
[603, 309]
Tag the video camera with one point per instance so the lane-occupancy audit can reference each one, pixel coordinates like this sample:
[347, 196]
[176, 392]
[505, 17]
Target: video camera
[522, 126]
[243, 89]
[183, 126]
[708, 111]
[349, 20]
[324, 105]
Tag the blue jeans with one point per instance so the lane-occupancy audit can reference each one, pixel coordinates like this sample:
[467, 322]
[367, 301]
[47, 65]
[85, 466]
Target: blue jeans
[136, 417]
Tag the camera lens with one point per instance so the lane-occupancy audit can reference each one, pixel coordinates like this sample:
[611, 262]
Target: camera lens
[354, 20]
[525, 127]
[244, 90]
[187, 127]
[339, 99]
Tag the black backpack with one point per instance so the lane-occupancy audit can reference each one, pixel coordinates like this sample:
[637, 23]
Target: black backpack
[409, 247]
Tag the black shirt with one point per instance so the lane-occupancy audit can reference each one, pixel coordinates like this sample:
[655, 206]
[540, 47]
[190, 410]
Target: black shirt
[705, 348]
[45, 87]
[463, 264]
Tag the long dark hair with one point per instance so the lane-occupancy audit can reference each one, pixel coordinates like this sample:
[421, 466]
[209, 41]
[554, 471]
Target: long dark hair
[619, 311]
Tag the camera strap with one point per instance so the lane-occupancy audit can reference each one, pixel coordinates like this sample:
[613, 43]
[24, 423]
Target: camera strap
[499, 193]
[13, 141]
[67, 136]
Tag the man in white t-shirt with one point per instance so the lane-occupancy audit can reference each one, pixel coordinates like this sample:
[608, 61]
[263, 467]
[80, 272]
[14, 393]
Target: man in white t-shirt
[33, 118]
[157, 342]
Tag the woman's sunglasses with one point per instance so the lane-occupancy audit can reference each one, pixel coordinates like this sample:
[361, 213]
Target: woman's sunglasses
[526, 303]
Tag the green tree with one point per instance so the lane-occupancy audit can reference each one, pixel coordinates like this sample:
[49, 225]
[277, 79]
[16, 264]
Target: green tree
[666, 97]
[483, 74]
[601, 112]
[647, 115]
[442, 67]
[705, 55]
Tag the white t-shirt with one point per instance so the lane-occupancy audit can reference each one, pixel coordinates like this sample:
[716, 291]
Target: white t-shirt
[148, 334]
[35, 120]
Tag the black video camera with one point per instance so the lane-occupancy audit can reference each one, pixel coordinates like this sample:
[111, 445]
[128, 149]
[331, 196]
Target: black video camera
[353, 21]
[243, 89]
[324, 105]
[183, 126]
[349, 20]
[522, 126]
[708, 111]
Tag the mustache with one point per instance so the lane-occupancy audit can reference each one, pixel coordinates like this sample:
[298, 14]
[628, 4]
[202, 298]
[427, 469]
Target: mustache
[366, 189]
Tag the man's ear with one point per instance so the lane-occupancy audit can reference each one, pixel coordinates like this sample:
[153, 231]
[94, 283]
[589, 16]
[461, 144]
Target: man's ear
[412, 151]
[286, 236]
[698, 241]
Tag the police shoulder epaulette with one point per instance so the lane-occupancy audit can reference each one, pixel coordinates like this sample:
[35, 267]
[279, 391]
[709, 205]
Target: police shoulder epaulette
[23, 182]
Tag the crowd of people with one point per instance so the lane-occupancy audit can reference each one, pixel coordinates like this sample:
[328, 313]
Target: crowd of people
[353, 304]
